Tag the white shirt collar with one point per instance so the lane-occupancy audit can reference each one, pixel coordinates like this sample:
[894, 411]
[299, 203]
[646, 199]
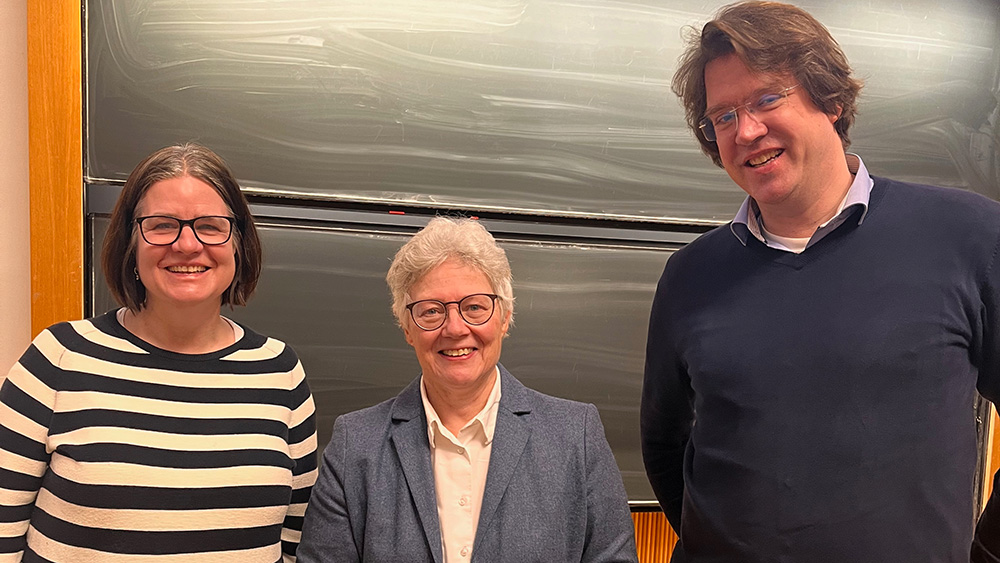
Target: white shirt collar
[857, 195]
[486, 418]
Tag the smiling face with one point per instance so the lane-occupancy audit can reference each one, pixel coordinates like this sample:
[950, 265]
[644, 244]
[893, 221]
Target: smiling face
[186, 273]
[785, 157]
[457, 357]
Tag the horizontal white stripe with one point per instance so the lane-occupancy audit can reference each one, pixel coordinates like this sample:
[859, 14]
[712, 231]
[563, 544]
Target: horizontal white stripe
[70, 401]
[127, 474]
[160, 520]
[167, 441]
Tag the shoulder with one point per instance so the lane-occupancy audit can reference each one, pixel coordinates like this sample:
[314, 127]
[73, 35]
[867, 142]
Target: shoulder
[372, 424]
[54, 354]
[718, 240]
[945, 205]
[557, 407]
[369, 417]
[557, 416]
[263, 350]
[94, 337]
[701, 256]
[955, 224]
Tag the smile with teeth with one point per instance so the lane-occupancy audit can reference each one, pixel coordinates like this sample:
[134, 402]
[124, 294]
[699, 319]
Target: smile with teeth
[187, 269]
[764, 158]
[457, 352]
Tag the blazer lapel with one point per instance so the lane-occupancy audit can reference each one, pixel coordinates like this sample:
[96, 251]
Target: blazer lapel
[409, 437]
[509, 438]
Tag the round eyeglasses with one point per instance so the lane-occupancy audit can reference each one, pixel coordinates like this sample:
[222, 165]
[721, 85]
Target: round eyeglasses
[726, 121]
[161, 230]
[475, 309]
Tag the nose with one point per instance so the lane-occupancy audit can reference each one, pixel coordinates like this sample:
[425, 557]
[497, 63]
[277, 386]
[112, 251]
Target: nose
[186, 241]
[749, 127]
[454, 324]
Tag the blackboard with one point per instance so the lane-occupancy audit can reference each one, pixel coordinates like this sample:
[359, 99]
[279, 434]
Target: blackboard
[552, 119]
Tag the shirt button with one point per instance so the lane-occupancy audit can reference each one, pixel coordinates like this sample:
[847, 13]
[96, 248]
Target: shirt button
[461, 451]
[463, 501]
[465, 551]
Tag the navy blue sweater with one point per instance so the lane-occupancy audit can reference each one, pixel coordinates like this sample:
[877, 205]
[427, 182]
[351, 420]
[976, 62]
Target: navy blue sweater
[833, 389]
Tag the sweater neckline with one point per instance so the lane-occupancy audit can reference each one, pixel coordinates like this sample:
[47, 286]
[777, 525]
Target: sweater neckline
[108, 322]
[827, 243]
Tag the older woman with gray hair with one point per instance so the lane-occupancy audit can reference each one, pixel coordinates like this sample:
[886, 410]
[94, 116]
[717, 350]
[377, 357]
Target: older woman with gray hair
[465, 464]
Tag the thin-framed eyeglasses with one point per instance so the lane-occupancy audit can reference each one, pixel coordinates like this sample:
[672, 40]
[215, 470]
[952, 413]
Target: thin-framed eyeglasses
[431, 314]
[724, 121]
[163, 230]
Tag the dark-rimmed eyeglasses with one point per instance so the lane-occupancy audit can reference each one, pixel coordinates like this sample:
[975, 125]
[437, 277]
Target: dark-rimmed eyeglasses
[725, 121]
[162, 230]
[475, 309]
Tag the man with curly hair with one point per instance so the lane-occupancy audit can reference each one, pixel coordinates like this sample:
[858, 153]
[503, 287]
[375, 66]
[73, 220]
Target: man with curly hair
[811, 367]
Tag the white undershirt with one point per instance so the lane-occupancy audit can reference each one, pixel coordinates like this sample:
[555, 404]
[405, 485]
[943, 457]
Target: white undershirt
[797, 244]
[791, 244]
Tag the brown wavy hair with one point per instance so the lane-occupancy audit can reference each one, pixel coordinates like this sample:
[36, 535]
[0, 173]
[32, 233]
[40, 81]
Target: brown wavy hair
[190, 159]
[769, 37]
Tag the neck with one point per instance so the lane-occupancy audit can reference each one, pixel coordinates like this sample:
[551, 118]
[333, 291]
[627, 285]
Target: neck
[457, 406]
[799, 218]
[185, 330]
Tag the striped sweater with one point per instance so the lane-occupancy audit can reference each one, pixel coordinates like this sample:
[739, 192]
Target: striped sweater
[113, 450]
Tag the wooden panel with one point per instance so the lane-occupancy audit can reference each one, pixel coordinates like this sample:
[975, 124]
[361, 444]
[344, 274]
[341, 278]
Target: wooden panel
[55, 114]
[654, 537]
[993, 451]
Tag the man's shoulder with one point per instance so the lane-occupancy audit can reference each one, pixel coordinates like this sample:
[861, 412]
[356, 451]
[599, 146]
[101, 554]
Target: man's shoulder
[943, 202]
[931, 219]
[705, 252]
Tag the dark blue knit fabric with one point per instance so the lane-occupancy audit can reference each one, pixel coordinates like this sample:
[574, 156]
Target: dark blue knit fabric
[833, 389]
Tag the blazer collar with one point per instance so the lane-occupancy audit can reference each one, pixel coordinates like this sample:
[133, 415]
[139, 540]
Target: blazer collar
[408, 405]
[512, 432]
[408, 434]
[409, 437]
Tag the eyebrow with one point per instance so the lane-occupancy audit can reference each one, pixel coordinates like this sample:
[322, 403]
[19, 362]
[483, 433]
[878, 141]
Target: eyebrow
[752, 97]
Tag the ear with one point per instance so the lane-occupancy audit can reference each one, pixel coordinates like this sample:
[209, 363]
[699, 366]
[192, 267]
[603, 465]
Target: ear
[506, 323]
[836, 114]
[407, 335]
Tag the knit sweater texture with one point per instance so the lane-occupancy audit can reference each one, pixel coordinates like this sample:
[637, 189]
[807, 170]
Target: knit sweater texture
[114, 450]
[819, 407]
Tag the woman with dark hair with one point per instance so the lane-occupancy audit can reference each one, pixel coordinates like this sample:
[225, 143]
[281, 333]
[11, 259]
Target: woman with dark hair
[161, 428]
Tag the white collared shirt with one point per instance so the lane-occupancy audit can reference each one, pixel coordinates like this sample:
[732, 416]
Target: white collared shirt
[460, 464]
[748, 218]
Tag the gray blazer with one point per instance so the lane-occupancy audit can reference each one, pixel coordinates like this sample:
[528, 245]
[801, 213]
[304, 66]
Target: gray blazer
[553, 491]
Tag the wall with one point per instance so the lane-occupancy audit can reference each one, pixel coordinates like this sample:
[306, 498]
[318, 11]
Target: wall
[14, 232]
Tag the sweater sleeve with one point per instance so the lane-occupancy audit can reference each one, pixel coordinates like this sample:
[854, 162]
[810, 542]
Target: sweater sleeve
[667, 412]
[26, 405]
[302, 448]
[986, 544]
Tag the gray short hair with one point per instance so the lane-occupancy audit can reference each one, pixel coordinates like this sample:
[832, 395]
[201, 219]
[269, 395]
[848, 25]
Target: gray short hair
[465, 240]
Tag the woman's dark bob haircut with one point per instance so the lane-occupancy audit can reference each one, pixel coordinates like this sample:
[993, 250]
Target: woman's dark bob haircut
[190, 159]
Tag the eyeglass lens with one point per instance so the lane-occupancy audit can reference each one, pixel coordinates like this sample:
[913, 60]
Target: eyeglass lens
[475, 309]
[722, 121]
[162, 230]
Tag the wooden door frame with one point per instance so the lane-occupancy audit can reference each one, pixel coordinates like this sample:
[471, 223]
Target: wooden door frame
[55, 156]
